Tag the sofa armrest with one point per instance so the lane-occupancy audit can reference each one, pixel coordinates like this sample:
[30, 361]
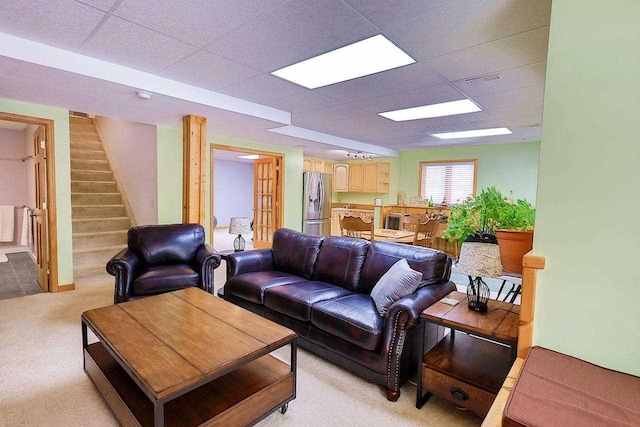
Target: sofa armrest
[403, 315]
[125, 266]
[415, 303]
[206, 260]
[250, 261]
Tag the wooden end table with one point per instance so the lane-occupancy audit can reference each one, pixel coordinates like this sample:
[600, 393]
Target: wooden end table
[188, 358]
[224, 255]
[468, 367]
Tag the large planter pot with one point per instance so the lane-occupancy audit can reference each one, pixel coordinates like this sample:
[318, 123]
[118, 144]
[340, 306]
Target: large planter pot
[513, 246]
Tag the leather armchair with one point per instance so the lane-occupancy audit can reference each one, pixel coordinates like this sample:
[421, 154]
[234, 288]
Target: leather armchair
[163, 258]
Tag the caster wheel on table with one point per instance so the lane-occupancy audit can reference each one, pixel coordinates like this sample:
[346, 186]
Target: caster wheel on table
[283, 409]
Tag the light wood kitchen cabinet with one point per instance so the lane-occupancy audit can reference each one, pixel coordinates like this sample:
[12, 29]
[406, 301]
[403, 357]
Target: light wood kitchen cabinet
[328, 168]
[355, 177]
[340, 177]
[366, 177]
[370, 178]
[384, 172]
[311, 164]
[307, 165]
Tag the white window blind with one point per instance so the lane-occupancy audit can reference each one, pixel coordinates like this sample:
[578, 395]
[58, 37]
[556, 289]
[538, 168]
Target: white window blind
[453, 182]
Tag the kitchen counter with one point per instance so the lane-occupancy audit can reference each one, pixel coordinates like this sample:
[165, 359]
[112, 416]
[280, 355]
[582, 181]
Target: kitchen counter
[351, 210]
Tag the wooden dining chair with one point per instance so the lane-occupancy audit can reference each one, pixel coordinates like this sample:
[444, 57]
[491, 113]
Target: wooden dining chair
[426, 233]
[354, 226]
[409, 222]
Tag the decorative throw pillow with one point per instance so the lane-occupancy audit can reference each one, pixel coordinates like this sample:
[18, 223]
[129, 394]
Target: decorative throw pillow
[398, 282]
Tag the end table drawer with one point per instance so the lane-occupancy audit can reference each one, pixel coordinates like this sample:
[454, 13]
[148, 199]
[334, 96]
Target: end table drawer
[458, 392]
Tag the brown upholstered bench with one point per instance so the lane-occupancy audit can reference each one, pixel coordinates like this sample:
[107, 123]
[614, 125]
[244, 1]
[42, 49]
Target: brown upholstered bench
[554, 389]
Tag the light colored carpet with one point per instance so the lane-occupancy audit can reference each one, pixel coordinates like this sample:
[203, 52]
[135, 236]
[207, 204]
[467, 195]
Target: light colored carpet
[42, 381]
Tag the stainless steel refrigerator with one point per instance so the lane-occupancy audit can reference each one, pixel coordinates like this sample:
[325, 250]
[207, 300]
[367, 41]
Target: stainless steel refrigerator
[316, 204]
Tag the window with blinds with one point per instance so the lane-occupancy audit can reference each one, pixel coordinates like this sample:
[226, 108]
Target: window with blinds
[451, 181]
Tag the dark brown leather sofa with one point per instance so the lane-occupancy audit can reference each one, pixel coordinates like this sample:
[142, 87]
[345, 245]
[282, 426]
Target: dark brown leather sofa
[320, 286]
[163, 258]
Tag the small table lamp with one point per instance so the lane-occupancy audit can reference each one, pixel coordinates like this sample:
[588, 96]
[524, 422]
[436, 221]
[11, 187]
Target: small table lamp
[479, 260]
[239, 225]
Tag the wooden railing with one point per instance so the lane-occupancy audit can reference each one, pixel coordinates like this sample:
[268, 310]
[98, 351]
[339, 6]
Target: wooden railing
[531, 264]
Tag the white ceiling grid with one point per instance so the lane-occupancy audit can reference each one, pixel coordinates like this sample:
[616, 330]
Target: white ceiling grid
[231, 47]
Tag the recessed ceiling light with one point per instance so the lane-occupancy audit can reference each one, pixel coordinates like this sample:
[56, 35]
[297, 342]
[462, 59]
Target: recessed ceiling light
[473, 133]
[143, 95]
[362, 58]
[434, 110]
[249, 157]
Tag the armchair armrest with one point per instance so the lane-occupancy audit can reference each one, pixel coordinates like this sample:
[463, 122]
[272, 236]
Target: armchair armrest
[125, 266]
[206, 260]
[250, 261]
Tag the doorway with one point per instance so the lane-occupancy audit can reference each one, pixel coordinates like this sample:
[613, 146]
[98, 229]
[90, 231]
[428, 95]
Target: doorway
[34, 213]
[253, 183]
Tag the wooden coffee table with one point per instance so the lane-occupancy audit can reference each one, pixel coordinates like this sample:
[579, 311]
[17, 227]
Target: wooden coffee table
[188, 358]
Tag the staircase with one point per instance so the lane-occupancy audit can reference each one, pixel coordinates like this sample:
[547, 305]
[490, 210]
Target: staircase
[99, 218]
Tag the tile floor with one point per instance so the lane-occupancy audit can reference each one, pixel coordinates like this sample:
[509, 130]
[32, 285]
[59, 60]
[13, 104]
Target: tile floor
[18, 276]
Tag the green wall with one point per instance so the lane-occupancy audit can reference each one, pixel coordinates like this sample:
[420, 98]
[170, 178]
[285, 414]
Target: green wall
[63, 177]
[508, 167]
[588, 296]
[170, 175]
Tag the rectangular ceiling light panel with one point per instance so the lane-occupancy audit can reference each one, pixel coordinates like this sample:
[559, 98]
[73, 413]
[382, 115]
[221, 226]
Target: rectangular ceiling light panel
[434, 110]
[473, 133]
[362, 58]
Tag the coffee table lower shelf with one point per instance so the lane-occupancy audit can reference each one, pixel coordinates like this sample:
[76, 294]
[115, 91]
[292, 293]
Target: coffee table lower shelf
[241, 397]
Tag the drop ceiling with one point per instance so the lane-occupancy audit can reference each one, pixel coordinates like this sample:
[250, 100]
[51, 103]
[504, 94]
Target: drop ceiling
[230, 47]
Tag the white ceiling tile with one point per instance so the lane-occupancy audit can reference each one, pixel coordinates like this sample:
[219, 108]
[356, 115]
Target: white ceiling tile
[305, 101]
[409, 77]
[518, 110]
[198, 22]
[352, 123]
[514, 78]
[60, 23]
[411, 98]
[262, 88]
[462, 24]
[293, 32]
[100, 4]
[511, 97]
[511, 52]
[210, 71]
[384, 13]
[342, 111]
[134, 46]
[525, 122]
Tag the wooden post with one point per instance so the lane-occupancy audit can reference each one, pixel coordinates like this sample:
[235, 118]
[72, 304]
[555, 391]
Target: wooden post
[193, 169]
[530, 266]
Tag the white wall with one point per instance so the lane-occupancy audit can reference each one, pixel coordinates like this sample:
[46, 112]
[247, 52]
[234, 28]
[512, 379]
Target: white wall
[233, 190]
[133, 151]
[13, 188]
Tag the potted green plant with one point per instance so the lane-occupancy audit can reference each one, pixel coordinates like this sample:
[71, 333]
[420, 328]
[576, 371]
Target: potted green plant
[491, 213]
[514, 231]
